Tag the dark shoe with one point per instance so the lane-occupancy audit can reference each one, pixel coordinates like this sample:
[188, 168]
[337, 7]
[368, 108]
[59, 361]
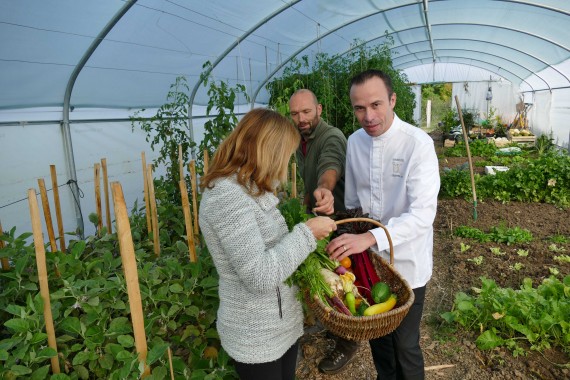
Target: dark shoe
[343, 353]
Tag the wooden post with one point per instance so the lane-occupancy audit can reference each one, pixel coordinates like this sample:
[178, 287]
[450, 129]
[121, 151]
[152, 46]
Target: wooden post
[294, 180]
[466, 139]
[180, 163]
[5, 262]
[170, 363]
[206, 161]
[97, 170]
[42, 275]
[47, 214]
[57, 208]
[192, 167]
[146, 201]
[106, 192]
[153, 212]
[131, 275]
[188, 221]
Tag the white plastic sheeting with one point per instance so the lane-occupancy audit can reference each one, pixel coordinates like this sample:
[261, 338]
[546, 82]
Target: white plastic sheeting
[39, 146]
[473, 96]
[28, 150]
[525, 42]
[98, 61]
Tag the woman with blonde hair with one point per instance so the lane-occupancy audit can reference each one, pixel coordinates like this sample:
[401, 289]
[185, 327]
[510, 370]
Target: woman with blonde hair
[260, 318]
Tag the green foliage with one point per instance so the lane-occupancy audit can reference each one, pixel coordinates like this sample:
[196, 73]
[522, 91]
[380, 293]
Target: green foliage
[560, 239]
[168, 129]
[544, 179]
[221, 98]
[308, 275]
[456, 183]
[477, 148]
[293, 211]
[329, 78]
[450, 119]
[500, 234]
[471, 233]
[504, 316]
[90, 305]
[501, 160]
[544, 144]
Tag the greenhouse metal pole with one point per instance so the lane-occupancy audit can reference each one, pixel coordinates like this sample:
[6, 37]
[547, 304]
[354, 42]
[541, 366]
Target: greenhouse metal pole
[209, 70]
[66, 130]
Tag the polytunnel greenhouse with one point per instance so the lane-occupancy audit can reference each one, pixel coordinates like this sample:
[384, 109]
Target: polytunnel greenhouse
[111, 111]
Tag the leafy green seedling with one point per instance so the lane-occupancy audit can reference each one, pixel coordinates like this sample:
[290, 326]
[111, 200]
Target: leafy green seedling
[476, 260]
[562, 258]
[516, 267]
[496, 251]
[555, 248]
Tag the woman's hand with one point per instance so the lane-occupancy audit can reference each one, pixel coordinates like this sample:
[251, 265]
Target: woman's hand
[321, 226]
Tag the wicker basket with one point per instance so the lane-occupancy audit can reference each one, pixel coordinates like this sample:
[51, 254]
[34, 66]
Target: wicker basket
[375, 326]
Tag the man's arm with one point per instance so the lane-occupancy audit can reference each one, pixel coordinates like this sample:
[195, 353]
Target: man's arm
[328, 179]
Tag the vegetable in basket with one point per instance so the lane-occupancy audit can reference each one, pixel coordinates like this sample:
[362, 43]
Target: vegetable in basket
[381, 307]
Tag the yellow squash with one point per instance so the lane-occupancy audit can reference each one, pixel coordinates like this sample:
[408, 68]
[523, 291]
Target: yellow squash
[381, 307]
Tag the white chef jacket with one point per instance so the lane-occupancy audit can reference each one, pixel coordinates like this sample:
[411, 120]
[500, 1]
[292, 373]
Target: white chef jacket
[395, 179]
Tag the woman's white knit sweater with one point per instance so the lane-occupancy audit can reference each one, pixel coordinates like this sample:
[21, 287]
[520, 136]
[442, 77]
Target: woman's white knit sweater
[259, 317]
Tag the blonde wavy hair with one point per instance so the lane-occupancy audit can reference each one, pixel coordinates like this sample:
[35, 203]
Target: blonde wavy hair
[257, 150]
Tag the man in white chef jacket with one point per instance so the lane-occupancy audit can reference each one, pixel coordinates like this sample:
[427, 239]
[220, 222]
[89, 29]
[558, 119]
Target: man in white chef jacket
[392, 172]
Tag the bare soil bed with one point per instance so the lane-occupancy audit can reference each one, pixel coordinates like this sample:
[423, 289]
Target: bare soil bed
[453, 355]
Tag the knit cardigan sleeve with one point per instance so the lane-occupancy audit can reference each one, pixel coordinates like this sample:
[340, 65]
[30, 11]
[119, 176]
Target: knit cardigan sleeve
[252, 236]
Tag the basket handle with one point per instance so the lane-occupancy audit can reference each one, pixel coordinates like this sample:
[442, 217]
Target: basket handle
[378, 224]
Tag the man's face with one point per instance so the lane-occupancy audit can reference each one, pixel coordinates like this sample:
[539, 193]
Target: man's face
[372, 106]
[305, 112]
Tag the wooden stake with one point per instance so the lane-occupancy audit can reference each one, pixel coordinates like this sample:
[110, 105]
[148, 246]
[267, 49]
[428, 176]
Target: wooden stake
[131, 275]
[57, 208]
[42, 275]
[97, 170]
[466, 139]
[192, 167]
[180, 163]
[106, 192]
[294, 180]
[170, 362]
[153, 212]
[438, 367]
[146, 201]
[188, 221]
[206, 161]
[5, 261]
[47, 214]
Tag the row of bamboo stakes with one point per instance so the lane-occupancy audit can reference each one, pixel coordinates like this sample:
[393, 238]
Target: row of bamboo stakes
[124, 237]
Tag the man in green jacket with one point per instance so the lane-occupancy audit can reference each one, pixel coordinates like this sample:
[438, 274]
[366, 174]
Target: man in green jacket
[321, 160]
[321, 154]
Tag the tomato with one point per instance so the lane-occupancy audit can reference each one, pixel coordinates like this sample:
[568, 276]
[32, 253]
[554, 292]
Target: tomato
[346, 262]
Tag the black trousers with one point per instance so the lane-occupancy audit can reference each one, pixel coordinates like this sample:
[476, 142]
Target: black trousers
[398, 356]
[280, 369]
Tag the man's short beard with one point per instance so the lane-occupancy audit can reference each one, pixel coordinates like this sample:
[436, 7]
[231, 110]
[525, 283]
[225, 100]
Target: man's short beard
[307, 132]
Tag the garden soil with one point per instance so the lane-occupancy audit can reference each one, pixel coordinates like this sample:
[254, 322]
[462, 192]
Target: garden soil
[451, 354]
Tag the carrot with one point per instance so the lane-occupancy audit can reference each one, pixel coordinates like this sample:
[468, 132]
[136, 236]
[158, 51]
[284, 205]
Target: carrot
[339, 305]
